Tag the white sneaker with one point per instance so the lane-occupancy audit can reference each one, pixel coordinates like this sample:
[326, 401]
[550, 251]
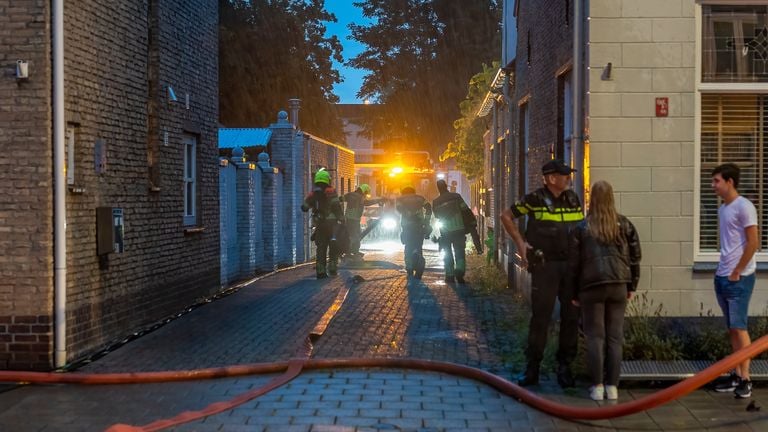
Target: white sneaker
[597, 392]
[611, 392]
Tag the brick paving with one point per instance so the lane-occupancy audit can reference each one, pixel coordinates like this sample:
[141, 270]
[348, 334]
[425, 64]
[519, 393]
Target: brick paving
[384, 316]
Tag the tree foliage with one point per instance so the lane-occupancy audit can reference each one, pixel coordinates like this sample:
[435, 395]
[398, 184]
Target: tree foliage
[274, 50]
[420, 55]
[467, 146]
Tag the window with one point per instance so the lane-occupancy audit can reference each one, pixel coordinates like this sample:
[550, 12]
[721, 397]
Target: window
[734, 128]
[70, 155]
[733, 114]
[190, 179]
[735, 43]
[524, 126]
[564, 118]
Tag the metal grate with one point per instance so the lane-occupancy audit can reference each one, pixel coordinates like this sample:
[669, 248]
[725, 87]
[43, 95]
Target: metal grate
[642, 370]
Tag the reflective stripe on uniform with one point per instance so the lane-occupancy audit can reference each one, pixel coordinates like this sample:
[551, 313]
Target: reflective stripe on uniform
[559, 215]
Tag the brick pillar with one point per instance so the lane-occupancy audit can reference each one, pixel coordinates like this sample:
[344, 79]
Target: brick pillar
[246, 213]
[269, 230]
[288, 156]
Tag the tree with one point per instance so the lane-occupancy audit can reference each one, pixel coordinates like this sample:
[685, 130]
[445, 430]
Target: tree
[274, 50]
[420, 54]
[468, 147]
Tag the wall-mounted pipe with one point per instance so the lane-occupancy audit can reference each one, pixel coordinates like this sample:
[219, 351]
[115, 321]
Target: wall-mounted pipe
[59, 183]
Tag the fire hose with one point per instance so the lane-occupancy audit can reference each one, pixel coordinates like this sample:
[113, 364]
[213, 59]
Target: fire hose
[294, 367]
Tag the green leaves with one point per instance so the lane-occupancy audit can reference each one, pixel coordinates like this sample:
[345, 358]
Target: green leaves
[420, 55]
[274, 50]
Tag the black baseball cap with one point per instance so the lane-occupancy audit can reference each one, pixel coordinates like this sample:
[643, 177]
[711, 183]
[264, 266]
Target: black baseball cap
[556, 166]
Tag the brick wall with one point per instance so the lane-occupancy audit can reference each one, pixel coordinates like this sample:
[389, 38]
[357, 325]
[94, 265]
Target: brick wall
[544, 32]
[26, 210]
[119, 62]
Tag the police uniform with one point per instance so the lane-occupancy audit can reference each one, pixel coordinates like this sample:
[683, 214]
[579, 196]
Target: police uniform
[326, 215]
[415, 213]
[550, 220]
[455, 220]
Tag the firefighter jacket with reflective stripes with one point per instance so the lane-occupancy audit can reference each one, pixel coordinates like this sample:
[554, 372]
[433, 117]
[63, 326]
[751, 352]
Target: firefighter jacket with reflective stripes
[453, 213]
[356, 203]
[324, 203]
[550, 220]
[414, 211]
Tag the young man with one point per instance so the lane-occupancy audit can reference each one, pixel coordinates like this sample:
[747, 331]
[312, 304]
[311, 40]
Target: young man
[735, 276]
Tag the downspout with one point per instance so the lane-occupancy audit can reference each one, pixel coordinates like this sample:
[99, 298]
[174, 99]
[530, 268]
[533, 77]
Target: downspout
[578, 92]
[308, 184]
[60, 208]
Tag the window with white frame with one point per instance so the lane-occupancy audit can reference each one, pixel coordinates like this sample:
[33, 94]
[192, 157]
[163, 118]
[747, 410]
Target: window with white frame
[733, 112]
[190, 179]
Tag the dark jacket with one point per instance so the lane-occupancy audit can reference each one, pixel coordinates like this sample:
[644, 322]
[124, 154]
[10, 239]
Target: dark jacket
[592, 263]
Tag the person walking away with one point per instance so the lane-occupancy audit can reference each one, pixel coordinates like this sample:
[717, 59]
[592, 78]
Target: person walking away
[455, 220]
[604, 267]
[735, 275]
[326, 215]
[552, 211]
[415, 214]
[356, 201]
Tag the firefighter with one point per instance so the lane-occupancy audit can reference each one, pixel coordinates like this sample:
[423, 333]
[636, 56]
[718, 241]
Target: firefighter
[356, 202]
[455, 220]
[415, 214]
[553, 211]
[327, 216]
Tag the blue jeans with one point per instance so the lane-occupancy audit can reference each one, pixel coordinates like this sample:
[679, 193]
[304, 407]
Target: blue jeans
[733, 298]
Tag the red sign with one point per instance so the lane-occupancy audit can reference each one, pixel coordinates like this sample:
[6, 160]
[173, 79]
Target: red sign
[662, 106]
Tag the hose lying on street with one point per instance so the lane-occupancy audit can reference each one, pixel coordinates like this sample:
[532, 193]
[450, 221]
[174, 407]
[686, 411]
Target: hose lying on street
[294, 368]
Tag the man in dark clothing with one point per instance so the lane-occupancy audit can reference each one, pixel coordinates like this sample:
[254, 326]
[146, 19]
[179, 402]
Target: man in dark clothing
[326, 215]
[415, 213]
[356, 202]
[553, 211]
[455, 220]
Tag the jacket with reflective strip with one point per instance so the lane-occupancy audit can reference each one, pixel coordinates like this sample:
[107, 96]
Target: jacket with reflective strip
[550, 220]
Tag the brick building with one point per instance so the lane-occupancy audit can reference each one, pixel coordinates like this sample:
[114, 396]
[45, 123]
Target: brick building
[670, 89]
[140, 117]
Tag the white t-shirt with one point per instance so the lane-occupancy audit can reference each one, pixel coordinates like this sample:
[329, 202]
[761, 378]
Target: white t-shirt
[734, 219]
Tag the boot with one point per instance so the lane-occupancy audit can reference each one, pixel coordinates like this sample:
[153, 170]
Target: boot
[530, 377]
[564, 376]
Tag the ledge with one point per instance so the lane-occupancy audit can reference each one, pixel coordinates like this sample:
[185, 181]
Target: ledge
[193, 230]
[710, 267]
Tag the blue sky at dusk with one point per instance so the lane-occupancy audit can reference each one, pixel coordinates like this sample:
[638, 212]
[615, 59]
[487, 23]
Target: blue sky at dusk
[346, 13]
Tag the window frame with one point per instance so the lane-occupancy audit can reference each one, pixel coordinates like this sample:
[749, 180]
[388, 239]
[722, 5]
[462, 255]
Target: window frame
[712, 88]
[189, 179]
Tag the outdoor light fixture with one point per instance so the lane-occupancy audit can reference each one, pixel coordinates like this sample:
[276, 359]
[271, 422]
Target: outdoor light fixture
[22, 69]
[606, 76]
[441, 176]
[397, 170]
[172, 95]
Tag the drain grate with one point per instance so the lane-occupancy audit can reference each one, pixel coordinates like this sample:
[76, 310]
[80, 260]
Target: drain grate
[643, 370]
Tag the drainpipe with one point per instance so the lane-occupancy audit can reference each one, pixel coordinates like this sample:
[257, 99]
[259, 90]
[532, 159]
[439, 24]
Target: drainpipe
[578, 92]
[60, 208]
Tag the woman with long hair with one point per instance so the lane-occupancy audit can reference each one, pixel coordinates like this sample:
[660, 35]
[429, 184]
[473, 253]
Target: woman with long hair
[604, 262]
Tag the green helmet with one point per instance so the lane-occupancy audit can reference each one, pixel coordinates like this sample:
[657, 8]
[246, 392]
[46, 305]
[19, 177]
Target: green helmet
[323, 176]
[365, 188]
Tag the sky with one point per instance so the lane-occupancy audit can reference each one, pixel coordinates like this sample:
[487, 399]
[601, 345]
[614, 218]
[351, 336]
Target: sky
[352, 78]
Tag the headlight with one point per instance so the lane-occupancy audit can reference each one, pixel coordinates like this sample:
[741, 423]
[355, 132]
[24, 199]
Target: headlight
[389, 224]
[438, 224]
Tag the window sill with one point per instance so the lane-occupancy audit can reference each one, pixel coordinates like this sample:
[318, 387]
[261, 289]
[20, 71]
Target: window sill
[194, 230]
[710, 267]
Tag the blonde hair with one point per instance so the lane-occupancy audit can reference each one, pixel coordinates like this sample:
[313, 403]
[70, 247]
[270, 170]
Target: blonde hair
[602, 219]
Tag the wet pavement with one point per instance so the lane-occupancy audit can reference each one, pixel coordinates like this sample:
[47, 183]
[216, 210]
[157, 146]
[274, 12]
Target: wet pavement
[383, 316]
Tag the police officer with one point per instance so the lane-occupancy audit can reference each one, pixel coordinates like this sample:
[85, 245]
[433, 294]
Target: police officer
[415, 213]
[456, 219]
[552, 210]
[356, 202]
[326, 215]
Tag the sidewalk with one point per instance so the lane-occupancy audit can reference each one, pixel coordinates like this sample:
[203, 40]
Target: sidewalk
[384, 316]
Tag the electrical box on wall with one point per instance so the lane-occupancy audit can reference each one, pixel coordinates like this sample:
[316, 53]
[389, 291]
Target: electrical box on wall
[109, 230]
